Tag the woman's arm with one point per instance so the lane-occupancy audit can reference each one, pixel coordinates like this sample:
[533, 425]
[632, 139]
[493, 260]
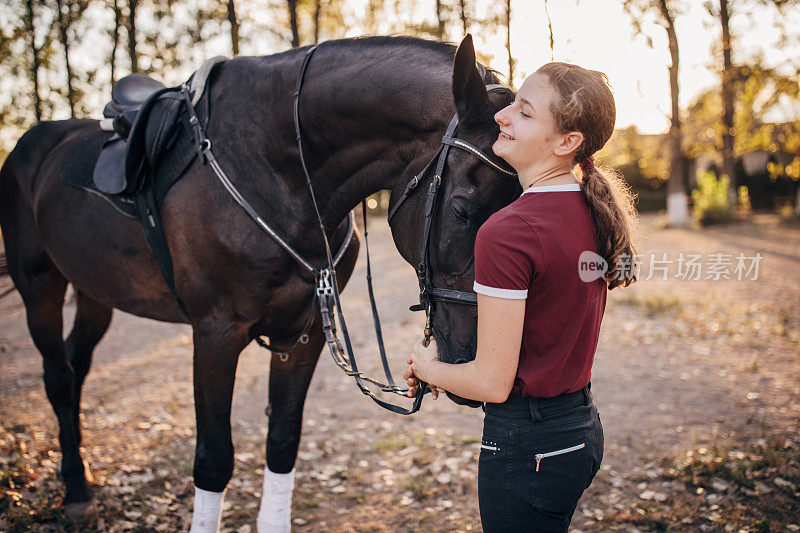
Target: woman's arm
[490, 377]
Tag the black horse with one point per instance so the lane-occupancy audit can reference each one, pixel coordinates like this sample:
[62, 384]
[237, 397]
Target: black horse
[373, 114]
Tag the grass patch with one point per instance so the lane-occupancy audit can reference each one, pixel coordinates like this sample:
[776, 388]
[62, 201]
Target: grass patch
[389, 443]
[653, 304]
[355, 497]
[304, 501]
[420, 487]
[754, 486]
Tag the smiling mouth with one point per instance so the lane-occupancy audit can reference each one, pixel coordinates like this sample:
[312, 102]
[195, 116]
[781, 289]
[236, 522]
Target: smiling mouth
[506, 136]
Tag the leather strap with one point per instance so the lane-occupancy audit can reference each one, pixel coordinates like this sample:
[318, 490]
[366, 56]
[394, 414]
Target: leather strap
[474, 150]
[328, 291]
[376, 321]
[458, 143]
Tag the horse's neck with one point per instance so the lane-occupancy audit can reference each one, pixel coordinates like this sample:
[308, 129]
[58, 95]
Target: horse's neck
[361, 132]
[361, 138]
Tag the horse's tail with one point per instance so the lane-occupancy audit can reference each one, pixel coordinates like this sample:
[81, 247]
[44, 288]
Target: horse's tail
[3, 273]
[6, 186]
[16, 176]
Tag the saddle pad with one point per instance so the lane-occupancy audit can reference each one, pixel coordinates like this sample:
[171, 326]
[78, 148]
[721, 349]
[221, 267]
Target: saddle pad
[78, 171]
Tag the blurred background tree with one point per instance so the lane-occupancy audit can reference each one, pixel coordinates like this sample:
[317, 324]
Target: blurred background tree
[59, 58]
[662, 13]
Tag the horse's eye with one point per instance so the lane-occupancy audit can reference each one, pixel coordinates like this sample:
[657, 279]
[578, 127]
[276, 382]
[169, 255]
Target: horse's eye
[461, 212]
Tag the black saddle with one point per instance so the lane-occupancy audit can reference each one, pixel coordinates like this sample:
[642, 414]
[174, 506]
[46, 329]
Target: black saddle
[145, 116]
[152, 145]
[130, 93]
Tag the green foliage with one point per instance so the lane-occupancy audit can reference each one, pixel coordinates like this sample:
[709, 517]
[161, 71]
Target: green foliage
[743, 198]
[711, 204]
[790, 170]
[643, 161]
[786, 211]
[757, 90]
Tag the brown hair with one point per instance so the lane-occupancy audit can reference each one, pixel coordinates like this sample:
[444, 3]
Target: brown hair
[587, 105]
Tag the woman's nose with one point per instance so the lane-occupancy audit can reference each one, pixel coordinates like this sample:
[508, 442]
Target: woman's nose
[500, 117]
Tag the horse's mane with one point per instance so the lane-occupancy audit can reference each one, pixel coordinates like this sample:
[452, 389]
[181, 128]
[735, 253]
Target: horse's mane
[446, 49]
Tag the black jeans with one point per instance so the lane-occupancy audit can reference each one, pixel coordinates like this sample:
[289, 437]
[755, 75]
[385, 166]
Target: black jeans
[537, 457]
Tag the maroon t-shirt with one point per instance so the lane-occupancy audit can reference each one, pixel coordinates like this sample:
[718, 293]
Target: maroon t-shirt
[530, 250]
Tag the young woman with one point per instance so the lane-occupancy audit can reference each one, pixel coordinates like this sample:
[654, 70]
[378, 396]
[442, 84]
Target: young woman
[540, 305]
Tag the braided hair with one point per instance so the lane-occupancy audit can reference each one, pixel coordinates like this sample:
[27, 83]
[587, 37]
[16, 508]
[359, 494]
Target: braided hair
[586, 104]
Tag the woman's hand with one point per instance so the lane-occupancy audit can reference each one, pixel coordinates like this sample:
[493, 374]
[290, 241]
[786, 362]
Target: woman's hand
[419, 366]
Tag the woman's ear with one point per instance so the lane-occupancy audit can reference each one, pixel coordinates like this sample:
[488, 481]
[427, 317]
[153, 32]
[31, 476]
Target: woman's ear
[570, 142]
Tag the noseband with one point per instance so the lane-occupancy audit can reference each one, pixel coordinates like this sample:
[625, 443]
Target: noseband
[327, 290]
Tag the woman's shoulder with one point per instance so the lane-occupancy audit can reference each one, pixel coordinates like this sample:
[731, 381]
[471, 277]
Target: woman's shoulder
[502, 218]
[506, 224]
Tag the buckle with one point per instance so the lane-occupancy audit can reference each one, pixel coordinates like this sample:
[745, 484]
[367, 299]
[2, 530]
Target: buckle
[324, 287]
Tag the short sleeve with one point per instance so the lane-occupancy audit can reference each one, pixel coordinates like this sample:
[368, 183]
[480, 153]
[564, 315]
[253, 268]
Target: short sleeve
[503, 257]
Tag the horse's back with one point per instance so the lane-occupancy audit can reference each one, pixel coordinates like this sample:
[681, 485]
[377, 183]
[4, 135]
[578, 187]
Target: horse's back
[25, 161]
[100, 251]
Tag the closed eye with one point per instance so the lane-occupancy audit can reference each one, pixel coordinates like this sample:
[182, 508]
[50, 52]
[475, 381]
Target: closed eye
[461, 213]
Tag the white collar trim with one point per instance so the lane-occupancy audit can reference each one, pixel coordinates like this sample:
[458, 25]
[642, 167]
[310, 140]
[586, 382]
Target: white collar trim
[554, 188]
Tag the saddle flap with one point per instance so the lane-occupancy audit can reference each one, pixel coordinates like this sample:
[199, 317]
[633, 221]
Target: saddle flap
[151, 132]
[162, 125]
[109, 171]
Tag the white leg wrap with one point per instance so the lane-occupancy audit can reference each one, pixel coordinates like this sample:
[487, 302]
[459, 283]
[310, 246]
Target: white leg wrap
[276, 503]
[207, 511]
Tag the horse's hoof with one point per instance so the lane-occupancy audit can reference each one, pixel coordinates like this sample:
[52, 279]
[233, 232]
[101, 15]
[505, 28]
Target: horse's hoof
[83, 513]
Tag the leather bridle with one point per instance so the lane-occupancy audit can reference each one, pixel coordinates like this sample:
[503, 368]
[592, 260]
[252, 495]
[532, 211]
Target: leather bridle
[427, 292]
[327, 290]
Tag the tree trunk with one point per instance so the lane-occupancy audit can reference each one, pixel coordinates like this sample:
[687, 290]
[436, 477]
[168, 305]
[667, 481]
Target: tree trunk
[317, 18]
[64, 21]
[508, 44]
[440, 20]
[550, 27]
[132, 35]
[292, 5]
[462, 4]
[797, 202]
[37, 100]
[728, 167]
[677, 210]
[234, 27]
[113, 58]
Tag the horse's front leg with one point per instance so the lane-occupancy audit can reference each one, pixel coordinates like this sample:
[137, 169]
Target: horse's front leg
[216, 352]
[288, 385]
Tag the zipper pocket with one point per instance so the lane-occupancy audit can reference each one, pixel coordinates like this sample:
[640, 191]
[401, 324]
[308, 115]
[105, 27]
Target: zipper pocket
[487, 447]
[540, 456]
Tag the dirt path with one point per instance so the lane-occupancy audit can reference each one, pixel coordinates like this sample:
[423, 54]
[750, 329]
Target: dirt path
[680, 365]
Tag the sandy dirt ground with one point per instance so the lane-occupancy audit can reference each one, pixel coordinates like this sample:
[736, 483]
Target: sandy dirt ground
[696, 382]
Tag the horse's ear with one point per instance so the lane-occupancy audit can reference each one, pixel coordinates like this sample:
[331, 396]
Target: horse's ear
[469, 89]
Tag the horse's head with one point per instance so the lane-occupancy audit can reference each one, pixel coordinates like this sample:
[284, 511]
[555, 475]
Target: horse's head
[471, 191]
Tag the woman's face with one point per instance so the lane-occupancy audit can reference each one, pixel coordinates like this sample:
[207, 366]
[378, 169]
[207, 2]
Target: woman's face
[527, 126]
